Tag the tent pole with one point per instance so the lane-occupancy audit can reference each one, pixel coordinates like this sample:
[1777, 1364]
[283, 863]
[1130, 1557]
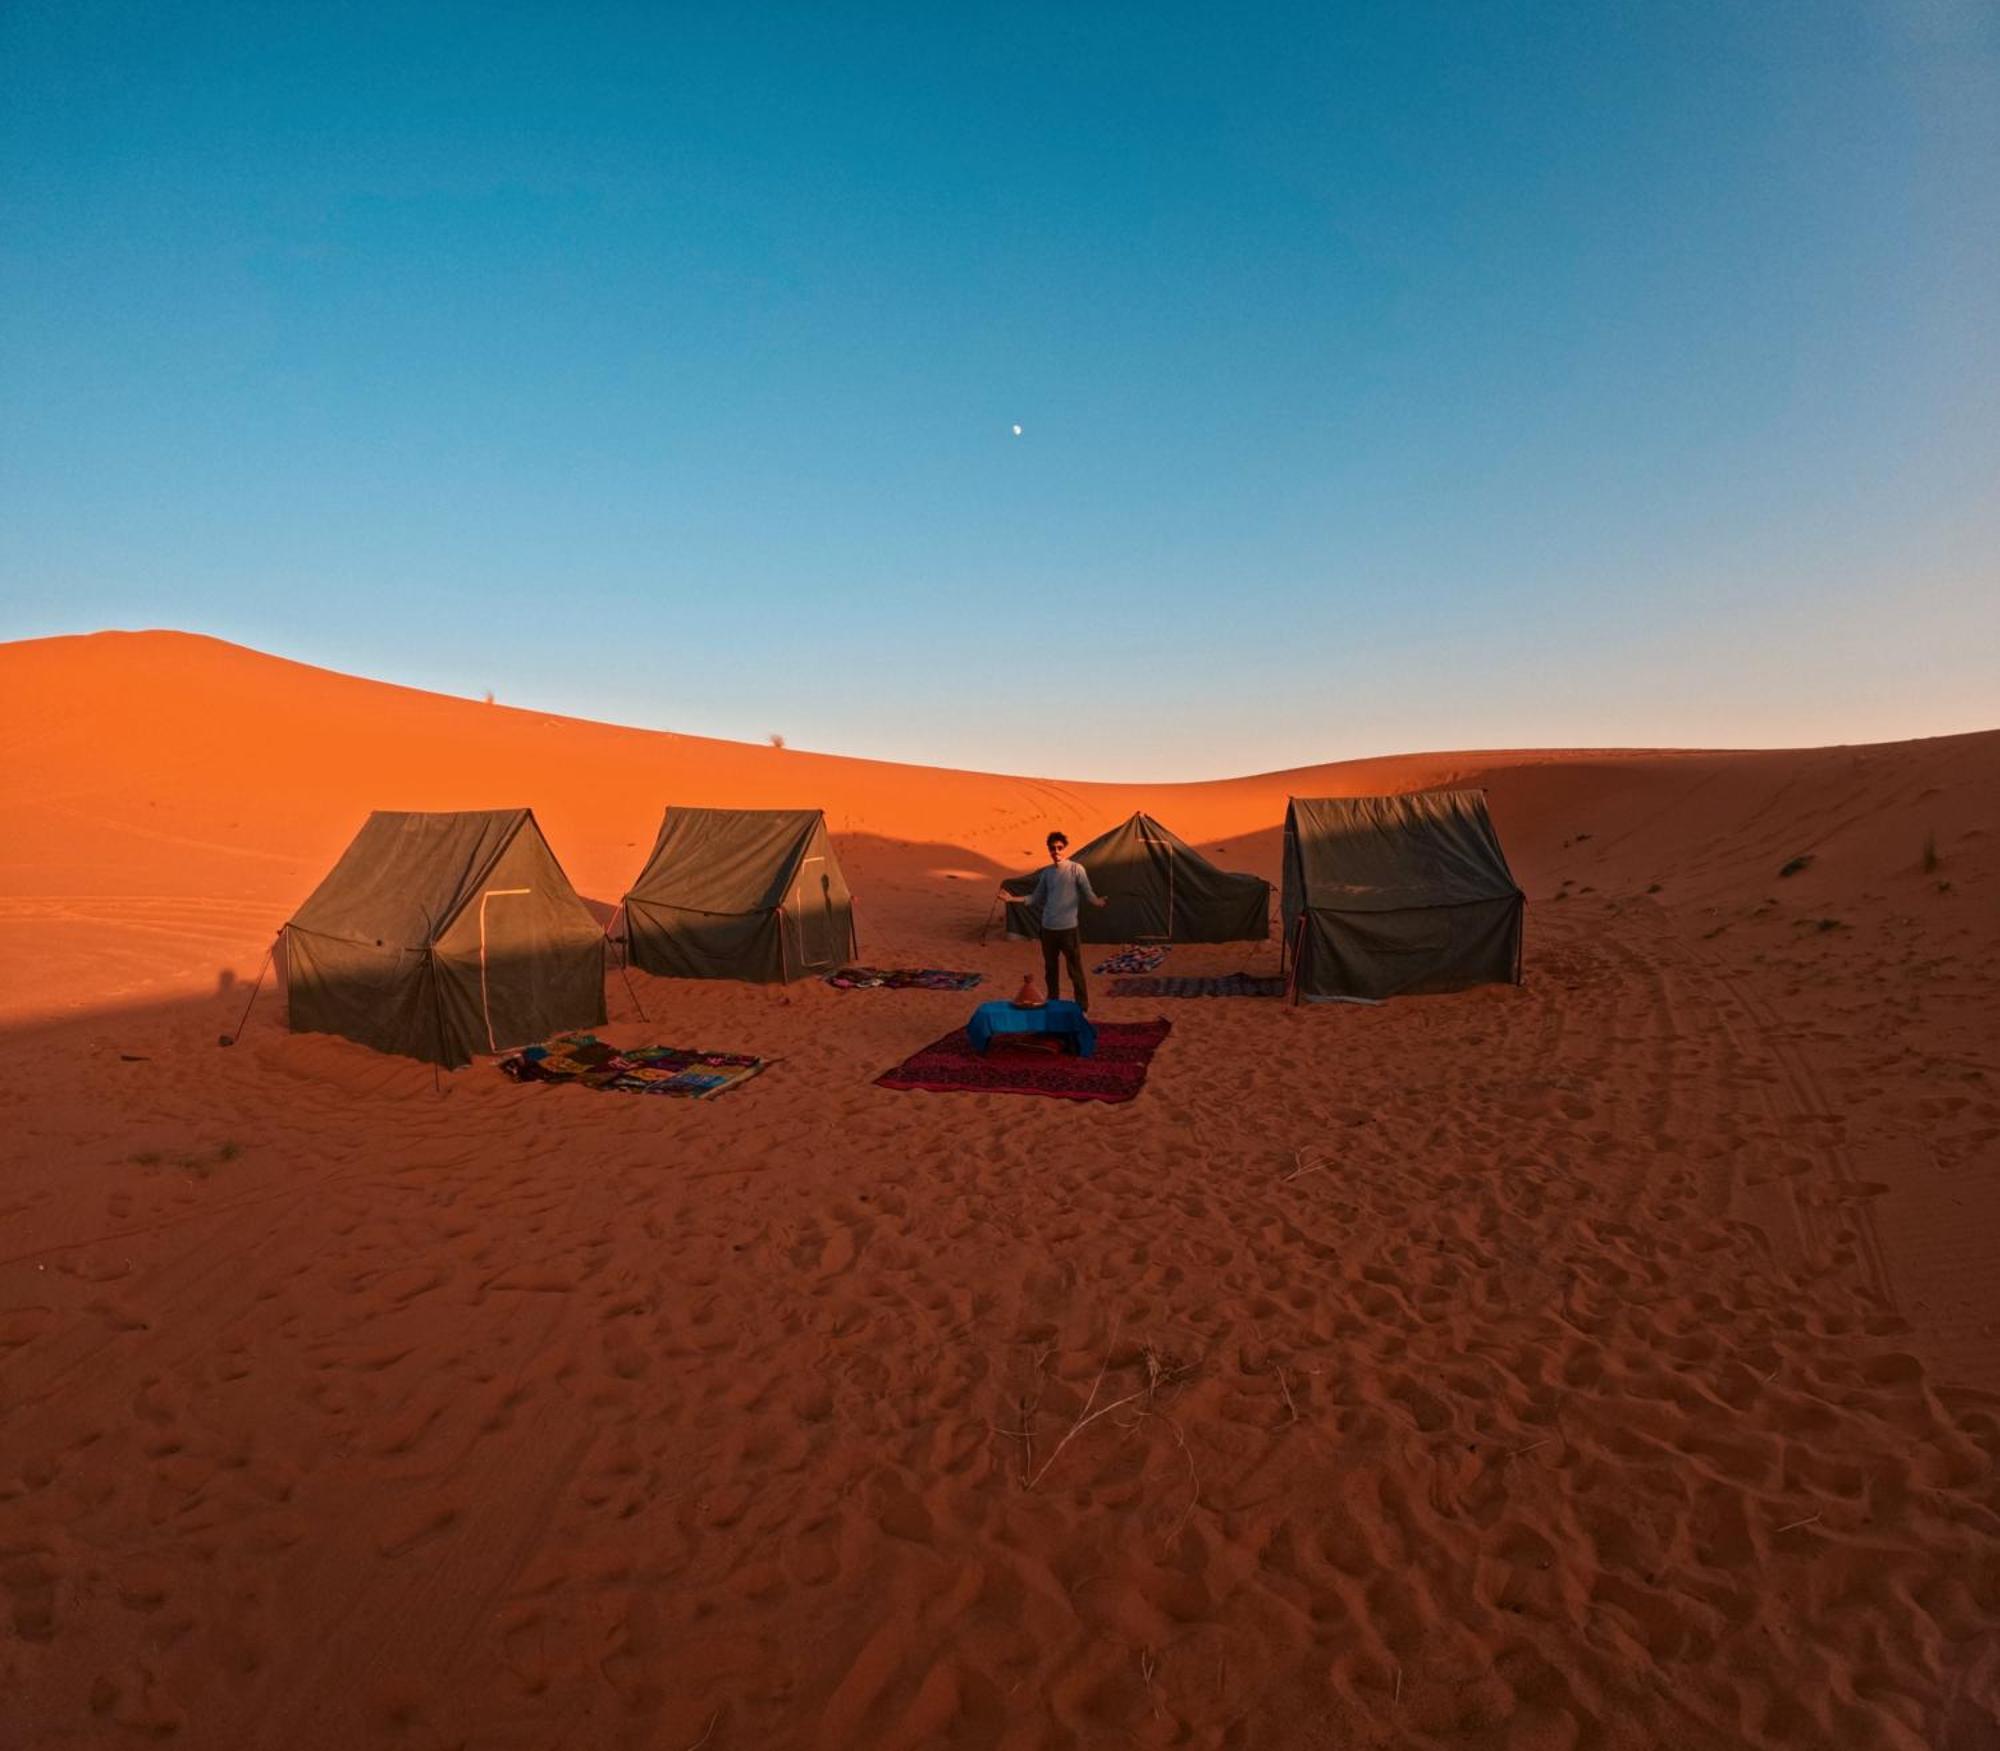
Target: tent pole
[269, 953]
[1292, 990]
[625, 955]
[437, 1003]
[437, 1009]
[626, 974]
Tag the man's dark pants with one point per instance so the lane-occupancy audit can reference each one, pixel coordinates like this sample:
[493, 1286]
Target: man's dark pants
[1069, 945]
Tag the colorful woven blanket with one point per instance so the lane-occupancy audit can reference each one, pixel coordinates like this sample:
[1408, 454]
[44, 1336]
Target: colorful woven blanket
[671, 1070]
[901, 979]
[1132, 960]
[1210, 985]
[1017, 1064]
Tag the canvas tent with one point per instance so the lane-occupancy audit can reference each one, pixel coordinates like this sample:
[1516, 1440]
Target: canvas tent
[442, 935]
[1391, 895]
[1160, 889]
[740, 894]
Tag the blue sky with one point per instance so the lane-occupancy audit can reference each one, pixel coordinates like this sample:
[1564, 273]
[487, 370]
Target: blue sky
[1391, 377]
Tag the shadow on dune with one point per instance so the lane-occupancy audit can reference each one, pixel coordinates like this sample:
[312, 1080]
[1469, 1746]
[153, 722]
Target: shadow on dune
[930, 892]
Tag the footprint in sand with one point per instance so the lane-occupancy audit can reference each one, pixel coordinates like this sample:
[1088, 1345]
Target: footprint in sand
[29, 1579]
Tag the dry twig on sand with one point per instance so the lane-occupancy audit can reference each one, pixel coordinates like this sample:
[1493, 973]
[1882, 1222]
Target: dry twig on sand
[1087, 1416]
[1025, 1408]
[706, 1731]
[1082, 1422]
[1285, 1386]
[1194, 1479]
[1162, 1370]
[1301, 1167]
[1148, 1665]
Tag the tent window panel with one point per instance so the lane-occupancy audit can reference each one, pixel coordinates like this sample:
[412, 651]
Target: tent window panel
[811, 912]
[507, 970]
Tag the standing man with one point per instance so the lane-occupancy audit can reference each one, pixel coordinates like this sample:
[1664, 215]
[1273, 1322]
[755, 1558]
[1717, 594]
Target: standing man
[1056, 895]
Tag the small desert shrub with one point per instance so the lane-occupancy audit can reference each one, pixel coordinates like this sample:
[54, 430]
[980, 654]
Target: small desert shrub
[147, 1158]
[1803, 861]
[487, 696]
[229, 1152]
[1652, 887]
[776, 740]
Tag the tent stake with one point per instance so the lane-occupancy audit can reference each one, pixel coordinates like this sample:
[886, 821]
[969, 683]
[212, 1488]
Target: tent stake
[231, 1039]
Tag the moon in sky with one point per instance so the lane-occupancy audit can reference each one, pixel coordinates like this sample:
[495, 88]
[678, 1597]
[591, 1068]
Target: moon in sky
[1017, 431]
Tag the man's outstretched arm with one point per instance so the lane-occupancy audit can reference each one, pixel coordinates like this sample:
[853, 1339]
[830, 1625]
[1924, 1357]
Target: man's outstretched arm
[1033, 897]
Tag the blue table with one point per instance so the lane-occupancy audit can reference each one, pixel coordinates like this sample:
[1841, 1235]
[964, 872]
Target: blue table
[1067, 1022]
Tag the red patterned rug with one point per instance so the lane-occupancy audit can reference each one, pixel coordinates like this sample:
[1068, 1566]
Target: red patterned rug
[1117, 1072]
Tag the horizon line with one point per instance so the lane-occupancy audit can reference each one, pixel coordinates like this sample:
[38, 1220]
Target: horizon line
[785, 746]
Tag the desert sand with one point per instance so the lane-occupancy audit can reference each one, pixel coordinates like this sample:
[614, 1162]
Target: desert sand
[1608, 1362]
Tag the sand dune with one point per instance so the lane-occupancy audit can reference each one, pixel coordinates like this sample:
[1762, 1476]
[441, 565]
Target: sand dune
[1614, 1361]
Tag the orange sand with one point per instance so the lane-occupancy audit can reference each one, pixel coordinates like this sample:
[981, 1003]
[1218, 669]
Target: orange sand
[1609, 1362]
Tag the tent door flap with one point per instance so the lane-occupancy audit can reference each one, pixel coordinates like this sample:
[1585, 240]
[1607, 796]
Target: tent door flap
[485, 997]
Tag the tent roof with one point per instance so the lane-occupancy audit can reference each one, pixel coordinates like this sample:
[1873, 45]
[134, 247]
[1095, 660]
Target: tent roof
[1146, 827]
[1393, 853]
[1137, 826]
[1143, 827]
[404, 877]
[725, 860]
